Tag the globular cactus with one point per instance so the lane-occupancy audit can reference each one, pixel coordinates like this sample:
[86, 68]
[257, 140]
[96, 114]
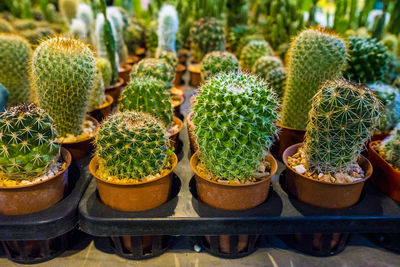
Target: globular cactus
[149, 95]
[168, 26]
[104, 66]
[206, 35]
[391, 43]
[253, 51]
[5, 26]
[314, 57]
[78, 29]
[15, 53]
[133, 35]
[342, 118]
[35, 35]
[369, 60]
[97, 97]
[216, 62]
[265, 64]
[115, 17]
[27, 143]
[157, 68]
[245, 41]
[276, 78]
[151, 38]
[238, 33]
[132, 145]
[234, 115]
[4, 94]
[68, 9]
[170, 57]
[390, 148]
[63, 72]
[24, 24]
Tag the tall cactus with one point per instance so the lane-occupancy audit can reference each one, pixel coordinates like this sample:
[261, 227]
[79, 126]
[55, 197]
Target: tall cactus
[168, 26]
[97, 97]
[116, 19]
[85, 14]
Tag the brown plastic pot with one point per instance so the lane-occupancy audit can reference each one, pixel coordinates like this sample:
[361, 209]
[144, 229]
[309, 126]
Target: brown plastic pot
[180, 69]
[195, 78]
[286, 137]
[115, 90]
[140, 52]
[323, 194]
[134, 197]
[176, 104]
[83, 147]
[192, 136]
[124, 71]
[385, 176]
[224, 242]
[178, 90]
[132, 60]
[174, 136]
[103, 111]
[232, 196]
[183, 55]
[24, 199]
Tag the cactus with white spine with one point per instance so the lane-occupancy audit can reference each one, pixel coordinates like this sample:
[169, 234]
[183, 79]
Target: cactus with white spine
[153, 67]
[115, 17]
[168, 26]
[85, 14]
[78, 29]
[170, 57]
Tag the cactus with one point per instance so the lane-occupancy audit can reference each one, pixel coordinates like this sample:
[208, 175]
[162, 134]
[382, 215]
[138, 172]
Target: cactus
[169, 57]
[206, 35]
[234, 116]
[390, 148]
[151, 39]
[216, 62]
[369, 60]
[116, 19]
[133, 35]
[391, 43]
[15, 53]
[35, 35]
[3, 98]
[342, 119]
[68, 9]
[157, 68]
[238, 33]
[245, 41]
[238, 12]
[104, 66]
[85, 14]
[97, 97]
[132, 145]
[149, 95]
[314, 57]
[5, 26]
[24, 24]
[253, 51]
[168, 26]
[78, 29]
[265, 64]
[276, 78]
[63, 72]
[27, 143]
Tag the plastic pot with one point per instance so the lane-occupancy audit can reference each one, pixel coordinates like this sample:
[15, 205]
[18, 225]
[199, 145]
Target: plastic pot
[103, 111]
[192, 136]
[286, 137]
[195, 78]
[180, 69]
[177, 102]
[115, 90]
[132, 60]
[174, 136]
[124, 72]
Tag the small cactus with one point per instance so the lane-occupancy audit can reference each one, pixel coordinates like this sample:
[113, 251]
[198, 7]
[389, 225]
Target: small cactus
[78, 29]
[5, 26]
[157, 68]
[151, 39]
[104, 66]
[265, 64]
[170, 57]
[116, 18]
[238, 33]
[390, 148]
[133, 35]
[276, 78]
[68, 9]
[253, 51]
[216, 62]
[98, 97]
[168, 26]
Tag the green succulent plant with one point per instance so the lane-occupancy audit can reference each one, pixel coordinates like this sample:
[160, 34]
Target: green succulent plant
[245, 40]
[252, 52]
[170, 57]
[216, 62]
[168, 27]
[157, 68]
[97, 97]
[265, 64]
[68, 9]
[151, 38]
[390, 41]
[116, 19]
[238, 33]
[390, 148]
[104, 66]
[134, 35]
[276, 78]
[5, 26]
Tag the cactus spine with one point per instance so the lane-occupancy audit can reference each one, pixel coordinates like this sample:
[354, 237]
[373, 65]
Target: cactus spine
[253, 51]
[265, 64]
[216, 62]
[276, 78]
[168, 26]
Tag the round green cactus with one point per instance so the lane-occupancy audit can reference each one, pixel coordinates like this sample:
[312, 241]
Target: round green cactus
[217, 62]
[27, 142]
[133, 35]
[170, 57]
[238, 33]
[253, 51]
[5, 26]
[234, 115]
[15, 53]
[369, 60]
[276, 78]
[157, 68]
[245, 40]
[390, 148]
[265, 64]
[132, 145]
[63, 74]
[104, 66]
[68, 9]
[150, 95]
[98, 97]
[151, 39]
[342, 119]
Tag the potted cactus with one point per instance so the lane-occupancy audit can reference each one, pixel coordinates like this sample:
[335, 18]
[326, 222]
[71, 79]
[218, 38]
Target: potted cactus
[265, 64]
[252, 52]
[276, 78]
[216, 62]
[327, 170]
[172, 59]
[33, 166]
[134, 36]
[63, 87]
[127, 182]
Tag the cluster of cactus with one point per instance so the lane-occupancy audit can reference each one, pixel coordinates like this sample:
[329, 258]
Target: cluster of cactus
[63, 72]
[216, 62]
[168, 26]
[314, 57]
[234, 115]
[369, 60]
[4, 94]
[68, 9]
[5, 26]
[132, 145]
[253, 51]
[390, 148]
[15, 53]
[342, 118]
[149, 95]
[276, 79]
[157, 68]
[170, 57]
[104, 66]
[265, 64]
[133, 35]
[98, 97]
[206, 35]
[151, 38]
[27, 143]
[116, 18]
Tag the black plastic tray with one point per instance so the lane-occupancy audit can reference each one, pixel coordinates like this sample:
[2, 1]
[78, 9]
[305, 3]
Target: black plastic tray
[54, 221]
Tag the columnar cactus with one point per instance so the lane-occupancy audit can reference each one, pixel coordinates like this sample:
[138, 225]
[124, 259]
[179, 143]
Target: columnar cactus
[206, 35]
[104, 66]
[314, 57]
[78, 29]
[369, 60]
[116, 19]
[85, 14]
[15, 53]
[265, 64]
[342, 118]
[27, 143]
[149, 95]
[234, 116]
[168, 26]
[132, 145]
[5, 26]
[216, 62]
[276, 78]
[157, 68]
[63, 72]
[253, 51]
[390, 148]
[68, 9]
[133, 35]
[170, 57]
[97, 97]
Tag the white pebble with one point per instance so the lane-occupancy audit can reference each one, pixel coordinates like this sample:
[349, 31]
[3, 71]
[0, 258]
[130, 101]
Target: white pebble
[320, 175]
[300, 169]
[197, 248]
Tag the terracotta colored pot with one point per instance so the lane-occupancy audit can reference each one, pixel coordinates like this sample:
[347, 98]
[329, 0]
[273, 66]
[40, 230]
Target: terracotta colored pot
[192, 136]
[286, 137]
[379, 136]
[178, 90]
[232, 196]
[385, 177]
[82, 147]
[132, 60]
[195, 78]
[323, 194]
[104, 111]
[224, 242]
[24, 199]
[124, 71]
[174, 137]
[176, 104]
[134, 197]
[180, 69]
[115, 90]
[183, 56]
[141, 52]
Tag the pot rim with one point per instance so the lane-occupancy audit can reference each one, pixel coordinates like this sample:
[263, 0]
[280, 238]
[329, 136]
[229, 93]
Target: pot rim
[140, 51]
[372, 148]
[269, 156]
[66, 155]
[93, 167]
[109, 101]
[178, 122]
[322, 182]
[96, 123]
[119, 83]
[194, 68]
[278, 124]
[180, 68]
[181, 100]
[124, 67]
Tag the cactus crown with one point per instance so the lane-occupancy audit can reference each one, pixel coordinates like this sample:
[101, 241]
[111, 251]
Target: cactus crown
[216, 62]
[150, 95]
[342, 118]
[276, 78]
[265, 64]
[157, 68]
[234, 116]
[63, 72]
[27, 142]
[132, 145]
[315, 56]
[168, 26]
[253, 51]
[390, 148]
